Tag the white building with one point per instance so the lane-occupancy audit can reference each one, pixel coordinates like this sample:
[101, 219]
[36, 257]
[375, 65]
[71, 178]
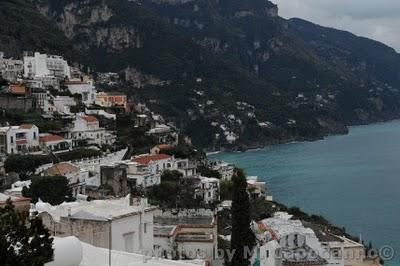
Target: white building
[19, 139]
[122, 224]
[87, 128]
[208, 189]
[268, 254]
[225, 169]
[54, 143]
[10, 69]
[77, 177]
[256, 189]
[84, 88]
[69, 251]
[63, 104]
[293, 238]
[191, 232]
[39, 65]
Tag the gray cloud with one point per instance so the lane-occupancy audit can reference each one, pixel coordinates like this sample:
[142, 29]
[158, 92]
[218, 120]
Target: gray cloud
[375, 19]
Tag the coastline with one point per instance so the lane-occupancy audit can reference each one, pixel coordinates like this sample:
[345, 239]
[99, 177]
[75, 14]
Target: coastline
[258, 145]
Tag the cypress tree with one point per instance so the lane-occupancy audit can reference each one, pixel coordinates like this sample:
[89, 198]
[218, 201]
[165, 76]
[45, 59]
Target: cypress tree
[243, 239]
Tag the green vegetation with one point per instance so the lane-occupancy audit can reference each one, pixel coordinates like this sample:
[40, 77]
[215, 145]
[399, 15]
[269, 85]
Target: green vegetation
[243, 239]
[134, 137]
[183, 151]
[52, 189]
[208, 172]
[21, 244]
[226, 190]
[23, 28]
[174, 192]
[25, 165]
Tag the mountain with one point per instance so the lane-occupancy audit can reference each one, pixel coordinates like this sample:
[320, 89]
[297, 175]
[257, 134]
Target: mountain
[294, 55]
[229, 73]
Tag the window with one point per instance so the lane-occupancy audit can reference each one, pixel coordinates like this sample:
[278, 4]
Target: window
[267, 254]
[34, 135]
[145, 228]
[12, 139]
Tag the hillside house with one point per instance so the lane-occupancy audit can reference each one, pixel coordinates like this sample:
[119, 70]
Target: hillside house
[86, 128]
[122, 224]
[84, 88]
[19, 139]
[76, 176]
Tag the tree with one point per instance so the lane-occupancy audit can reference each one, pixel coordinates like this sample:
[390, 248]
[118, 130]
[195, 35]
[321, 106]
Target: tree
[208, 172]
[52, 189]
[25, 165]
[243, 239]
[21, 244]
[226, 189]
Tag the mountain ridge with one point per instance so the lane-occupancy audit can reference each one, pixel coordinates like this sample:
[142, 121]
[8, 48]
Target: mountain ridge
[241, 74]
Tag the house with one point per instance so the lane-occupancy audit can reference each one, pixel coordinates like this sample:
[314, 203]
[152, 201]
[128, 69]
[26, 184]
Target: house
[39, 65]
[86, 128]
[40, 97]
[255, 188]
[73, 252]
[163, 134]
[185, 167]
[299, 244]
[348, 251]
[268, 254]
[20, 203]
[191, 232]
[141, 175]
[112, 99]
[84, 88]
[145, 170]
[76, 176]
[208, 189]
[157, 163]
[123, 224]
[225, 169]
[161, 147]
[16, 188]
[19, 139]
[17, 90]
[10, 69]
[54, 143]
[63, 104]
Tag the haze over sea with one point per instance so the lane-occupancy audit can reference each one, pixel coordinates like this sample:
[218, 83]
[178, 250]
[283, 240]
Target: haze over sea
[353, 180]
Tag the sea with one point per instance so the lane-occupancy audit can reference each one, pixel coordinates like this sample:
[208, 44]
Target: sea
[352, 180]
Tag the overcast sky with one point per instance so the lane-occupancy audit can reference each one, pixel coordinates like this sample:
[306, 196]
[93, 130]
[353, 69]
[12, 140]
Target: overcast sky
[376, 19]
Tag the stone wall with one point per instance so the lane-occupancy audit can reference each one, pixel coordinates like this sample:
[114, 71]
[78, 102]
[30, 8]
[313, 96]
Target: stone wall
[16, 103]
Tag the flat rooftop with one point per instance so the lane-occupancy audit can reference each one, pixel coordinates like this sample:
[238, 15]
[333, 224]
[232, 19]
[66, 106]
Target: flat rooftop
[93, 210]
[183, 220]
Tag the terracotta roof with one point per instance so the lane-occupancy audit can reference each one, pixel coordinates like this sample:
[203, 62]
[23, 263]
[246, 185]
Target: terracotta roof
[17, 89]
[21, 141]
[26, 126]
[164, 146]
[50, 137]
[145, 159]
[89, 118]
[61, 169]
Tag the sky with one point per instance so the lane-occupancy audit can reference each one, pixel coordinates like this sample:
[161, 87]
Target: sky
[375, 19]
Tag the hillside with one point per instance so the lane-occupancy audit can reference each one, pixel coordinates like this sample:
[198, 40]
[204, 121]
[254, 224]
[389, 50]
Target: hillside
[229, 74]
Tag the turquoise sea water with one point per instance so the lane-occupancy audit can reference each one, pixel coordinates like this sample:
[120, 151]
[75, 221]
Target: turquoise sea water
[353, 180]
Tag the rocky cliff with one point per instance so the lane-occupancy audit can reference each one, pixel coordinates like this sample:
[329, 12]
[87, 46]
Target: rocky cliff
[229, 73]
